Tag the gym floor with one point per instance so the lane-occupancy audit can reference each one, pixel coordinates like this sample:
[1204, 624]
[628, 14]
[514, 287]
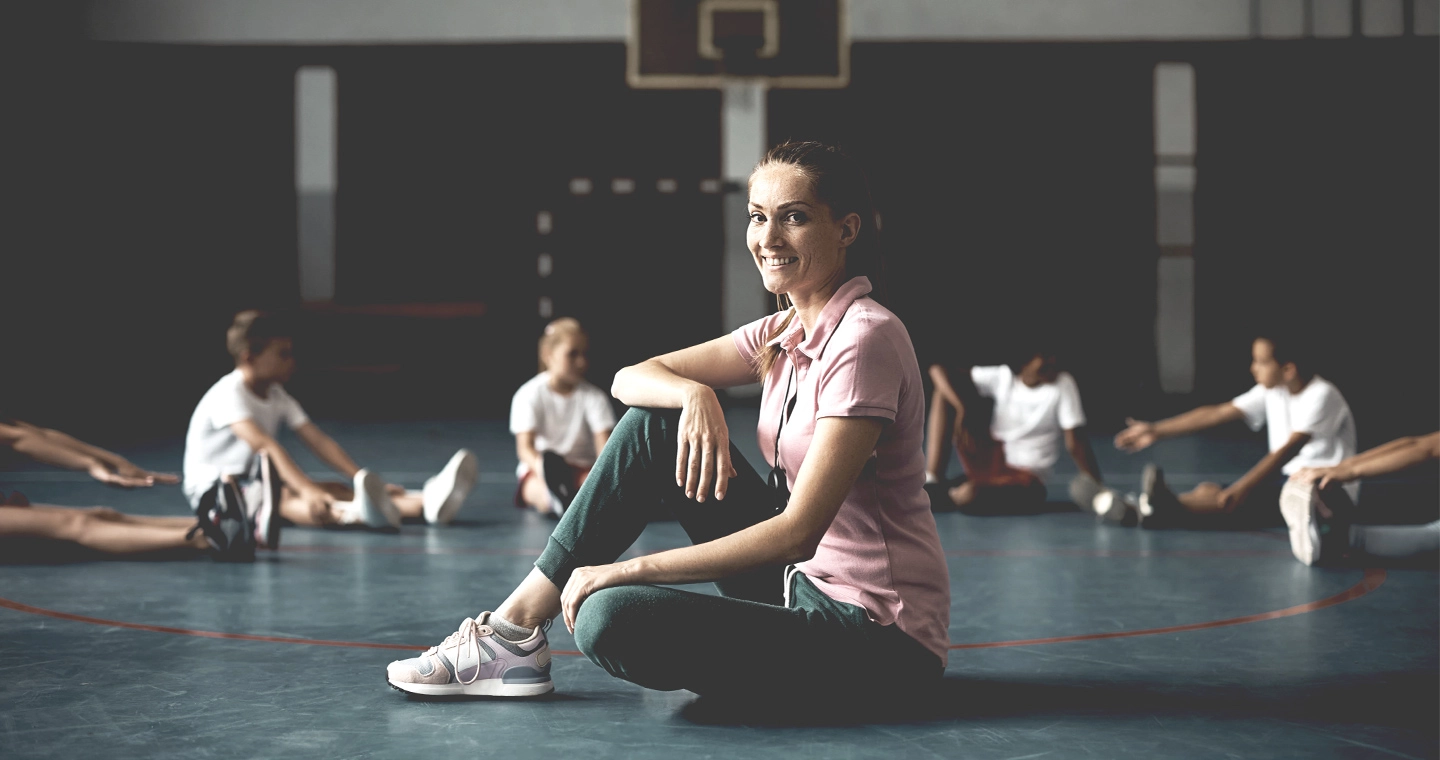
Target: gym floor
[1070, 639]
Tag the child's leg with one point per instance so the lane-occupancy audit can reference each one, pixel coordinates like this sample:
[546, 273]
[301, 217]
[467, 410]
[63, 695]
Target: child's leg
[411, 503]
[534, 493]
[298, 510]
[98, 529]
[937, 437]
[1396, 541]
[1203, 499]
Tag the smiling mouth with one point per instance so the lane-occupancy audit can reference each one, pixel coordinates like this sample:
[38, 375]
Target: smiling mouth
[774, 262]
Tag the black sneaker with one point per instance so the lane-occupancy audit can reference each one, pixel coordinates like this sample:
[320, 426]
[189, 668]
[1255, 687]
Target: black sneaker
[223, 519]
[1158, 507]
[560, 480]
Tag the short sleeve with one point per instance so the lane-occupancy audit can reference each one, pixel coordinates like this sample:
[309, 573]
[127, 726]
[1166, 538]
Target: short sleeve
[524, 410]
[989, 380]
[599, 415]
[294, 414]
[1251, 403]
[1072, 414]
[229, 406]
[861, 376]
[1316, 413]
[751, 338]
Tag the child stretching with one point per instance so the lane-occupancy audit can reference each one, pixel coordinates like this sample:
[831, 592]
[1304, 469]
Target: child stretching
[222, 532]
[1319, 511]
[559, 420]
[1008, 447]
[1309, 423]
[232, 435]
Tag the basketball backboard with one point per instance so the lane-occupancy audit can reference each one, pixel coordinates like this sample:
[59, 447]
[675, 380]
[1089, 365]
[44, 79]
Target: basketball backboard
[702, 44]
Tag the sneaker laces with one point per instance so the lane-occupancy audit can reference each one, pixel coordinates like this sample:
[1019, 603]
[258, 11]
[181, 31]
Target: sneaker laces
[469, 633]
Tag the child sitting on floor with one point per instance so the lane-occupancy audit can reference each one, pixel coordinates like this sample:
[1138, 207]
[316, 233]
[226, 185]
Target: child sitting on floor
[559, 420]
[1320, 514]
[1309, 423]
[1008, 422]
[232, 434]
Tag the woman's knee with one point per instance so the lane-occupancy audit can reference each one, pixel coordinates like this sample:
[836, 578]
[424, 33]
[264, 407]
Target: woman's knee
[602, 621]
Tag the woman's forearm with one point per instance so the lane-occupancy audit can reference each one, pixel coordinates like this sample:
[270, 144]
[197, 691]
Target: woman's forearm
[774, 542]
[650, 383]
[43, 449]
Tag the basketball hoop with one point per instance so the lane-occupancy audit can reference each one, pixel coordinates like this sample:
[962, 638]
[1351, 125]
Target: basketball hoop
[705, 44]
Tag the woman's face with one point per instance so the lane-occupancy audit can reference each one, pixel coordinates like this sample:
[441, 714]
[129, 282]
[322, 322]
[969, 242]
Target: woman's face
[796, 243]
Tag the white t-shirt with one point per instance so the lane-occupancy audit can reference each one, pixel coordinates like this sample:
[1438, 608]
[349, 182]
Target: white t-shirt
[1318, 409]
[212, 450]
[564, 424]
[1030, 421]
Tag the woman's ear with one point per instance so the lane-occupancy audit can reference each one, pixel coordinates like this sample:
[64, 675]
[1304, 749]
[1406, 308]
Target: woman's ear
[849, 228]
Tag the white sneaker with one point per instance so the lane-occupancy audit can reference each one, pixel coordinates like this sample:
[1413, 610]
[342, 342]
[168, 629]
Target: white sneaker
[1298, 505]
[1110, 506]
[444, 493]
[372, 505]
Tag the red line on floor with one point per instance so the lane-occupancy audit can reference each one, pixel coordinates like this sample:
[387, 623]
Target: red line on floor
[1373, 579]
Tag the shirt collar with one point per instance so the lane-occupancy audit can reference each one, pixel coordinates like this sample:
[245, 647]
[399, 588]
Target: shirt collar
[794, 338]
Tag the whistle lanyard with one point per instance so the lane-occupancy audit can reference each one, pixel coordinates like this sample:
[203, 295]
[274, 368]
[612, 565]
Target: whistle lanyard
[777, 473]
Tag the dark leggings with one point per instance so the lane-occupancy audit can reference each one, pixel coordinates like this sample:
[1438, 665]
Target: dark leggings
[742, 642]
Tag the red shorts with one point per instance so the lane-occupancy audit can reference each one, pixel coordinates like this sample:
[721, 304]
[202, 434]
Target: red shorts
[520, 487]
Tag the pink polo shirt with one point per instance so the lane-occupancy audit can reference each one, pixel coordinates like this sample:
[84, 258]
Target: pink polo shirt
[882, 552]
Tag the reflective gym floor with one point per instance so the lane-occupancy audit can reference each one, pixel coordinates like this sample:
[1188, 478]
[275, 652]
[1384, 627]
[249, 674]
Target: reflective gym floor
[1070, 639]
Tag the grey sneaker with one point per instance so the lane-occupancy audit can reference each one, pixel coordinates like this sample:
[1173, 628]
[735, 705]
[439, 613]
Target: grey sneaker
[1111, 506]
[477, 661]
[1083, 490]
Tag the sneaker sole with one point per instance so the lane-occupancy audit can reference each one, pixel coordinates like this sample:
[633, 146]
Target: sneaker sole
[373, 514]
[1109, 507]
[267, 518]
[462, 474]
[1297, 506]
[490, 687]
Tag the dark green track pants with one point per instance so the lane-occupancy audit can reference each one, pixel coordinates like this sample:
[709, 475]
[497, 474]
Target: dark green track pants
[665, 638]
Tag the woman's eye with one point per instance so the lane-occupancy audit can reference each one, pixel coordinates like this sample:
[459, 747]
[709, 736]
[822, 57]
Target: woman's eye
[757, 217]
[795, 216]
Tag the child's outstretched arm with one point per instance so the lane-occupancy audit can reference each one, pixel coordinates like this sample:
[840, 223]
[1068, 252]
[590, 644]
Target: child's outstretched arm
[290, 473]
[1139, 435]
[56, 448]
[1399, 454]
[327, 449]
[1232, 496]
[1079, 447]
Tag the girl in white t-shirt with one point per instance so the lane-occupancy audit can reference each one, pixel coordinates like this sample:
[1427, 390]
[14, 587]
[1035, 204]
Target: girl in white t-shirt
[1009, 423]
[560, 421]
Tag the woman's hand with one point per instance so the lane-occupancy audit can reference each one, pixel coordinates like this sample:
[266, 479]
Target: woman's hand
[584, 582]
[702, 453]
[104, 474]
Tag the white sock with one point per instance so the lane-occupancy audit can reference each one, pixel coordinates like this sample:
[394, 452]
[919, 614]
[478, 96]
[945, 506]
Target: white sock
[1396, 541]
[931, 477]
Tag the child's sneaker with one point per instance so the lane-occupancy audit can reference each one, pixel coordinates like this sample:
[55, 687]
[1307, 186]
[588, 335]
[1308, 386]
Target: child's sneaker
[477, 661]
[262, 496]
[1083, 490]
[444, 493]
[560, 480]
[222, 517]
[1316, 537]
[372, 505]
[1158, 506]
[1111, 506]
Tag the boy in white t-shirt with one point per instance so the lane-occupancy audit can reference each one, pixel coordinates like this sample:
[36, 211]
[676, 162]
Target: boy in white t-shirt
[1009, 445]
[560, 422]
[1309, 425]
[232, 436]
